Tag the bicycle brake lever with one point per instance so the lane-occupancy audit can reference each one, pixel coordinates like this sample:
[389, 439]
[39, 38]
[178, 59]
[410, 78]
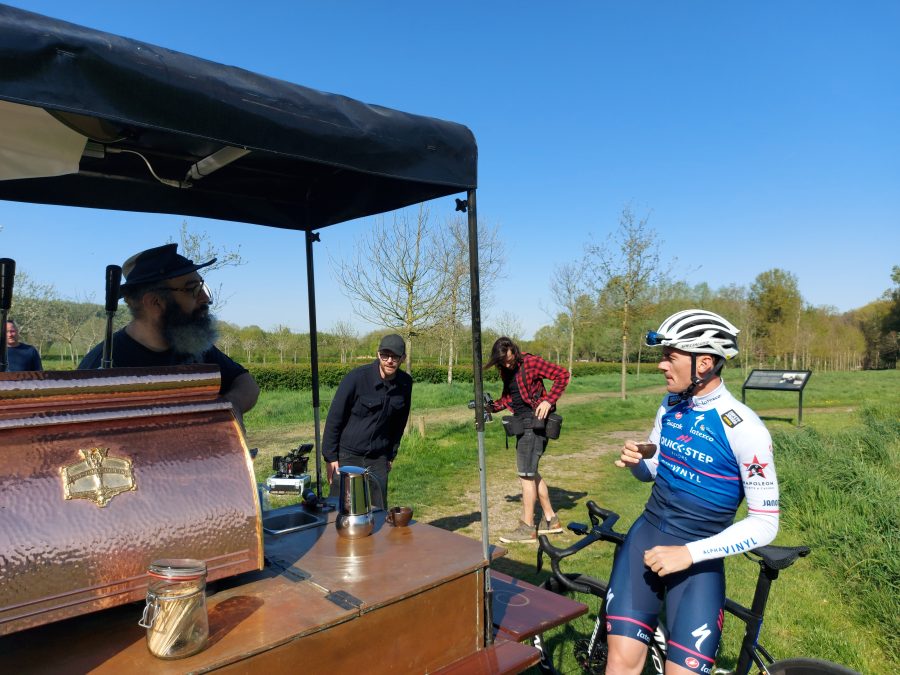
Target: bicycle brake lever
[540, 559]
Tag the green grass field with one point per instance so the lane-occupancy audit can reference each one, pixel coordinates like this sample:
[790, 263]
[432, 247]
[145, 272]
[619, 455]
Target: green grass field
[838, 475]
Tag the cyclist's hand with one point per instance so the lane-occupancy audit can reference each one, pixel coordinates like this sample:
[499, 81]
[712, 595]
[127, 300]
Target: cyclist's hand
[630, 455]
[668, 559]
[542, 410]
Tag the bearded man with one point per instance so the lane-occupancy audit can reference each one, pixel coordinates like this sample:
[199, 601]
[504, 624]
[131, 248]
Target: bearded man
[171, 324]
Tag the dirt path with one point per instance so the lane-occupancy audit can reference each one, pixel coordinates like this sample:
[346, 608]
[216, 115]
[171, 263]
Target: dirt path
[461, 414]
[571, 474]
[570, 467]
[571, 470]
[282, 438]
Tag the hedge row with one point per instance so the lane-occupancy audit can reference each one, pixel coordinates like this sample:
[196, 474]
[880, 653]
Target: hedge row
[299, 377]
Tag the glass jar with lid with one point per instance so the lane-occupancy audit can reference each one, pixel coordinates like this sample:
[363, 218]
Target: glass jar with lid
[175, 615]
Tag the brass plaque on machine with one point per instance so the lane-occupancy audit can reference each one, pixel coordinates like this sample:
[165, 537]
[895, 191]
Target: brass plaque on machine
[102, 472]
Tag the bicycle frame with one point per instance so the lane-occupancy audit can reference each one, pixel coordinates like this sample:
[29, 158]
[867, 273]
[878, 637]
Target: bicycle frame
[771, 559]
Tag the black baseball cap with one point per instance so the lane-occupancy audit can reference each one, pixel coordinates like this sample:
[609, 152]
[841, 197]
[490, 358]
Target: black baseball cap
[158, 264]
[393, 343]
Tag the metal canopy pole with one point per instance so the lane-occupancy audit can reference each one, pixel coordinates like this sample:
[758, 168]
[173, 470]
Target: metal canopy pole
[7, 278]
[479, 407]
[314, 353]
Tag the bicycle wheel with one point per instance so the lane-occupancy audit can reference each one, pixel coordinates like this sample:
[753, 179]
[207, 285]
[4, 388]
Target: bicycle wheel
[569, 648]
[808, 667]
[580, 645]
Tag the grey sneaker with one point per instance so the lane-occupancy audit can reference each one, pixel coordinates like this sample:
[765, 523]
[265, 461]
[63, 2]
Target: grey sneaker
[551, 526]
[523, 533]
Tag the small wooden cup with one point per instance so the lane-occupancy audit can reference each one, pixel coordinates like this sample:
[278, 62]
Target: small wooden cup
[647, 450]
[399, 516]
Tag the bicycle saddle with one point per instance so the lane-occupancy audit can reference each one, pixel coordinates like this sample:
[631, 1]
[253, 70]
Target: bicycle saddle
[780, 557]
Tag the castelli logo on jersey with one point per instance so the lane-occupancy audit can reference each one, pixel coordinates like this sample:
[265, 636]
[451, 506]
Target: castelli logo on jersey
[691, 662]
[608, 627]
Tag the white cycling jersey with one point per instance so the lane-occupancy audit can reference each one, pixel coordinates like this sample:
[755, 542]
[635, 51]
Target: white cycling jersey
[712, 452]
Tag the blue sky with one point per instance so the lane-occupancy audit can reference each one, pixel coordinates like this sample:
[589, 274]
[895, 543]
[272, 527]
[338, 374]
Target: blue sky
[755, 135]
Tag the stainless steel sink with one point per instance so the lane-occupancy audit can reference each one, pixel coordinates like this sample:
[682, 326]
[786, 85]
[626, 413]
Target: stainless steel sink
[290, 521]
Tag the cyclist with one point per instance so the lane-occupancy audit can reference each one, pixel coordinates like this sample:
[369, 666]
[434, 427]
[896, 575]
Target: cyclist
[712, 451]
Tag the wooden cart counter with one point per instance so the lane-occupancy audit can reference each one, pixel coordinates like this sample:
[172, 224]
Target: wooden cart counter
[403, 600]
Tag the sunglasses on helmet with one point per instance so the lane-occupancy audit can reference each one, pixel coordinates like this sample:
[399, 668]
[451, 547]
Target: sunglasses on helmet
[654, 339]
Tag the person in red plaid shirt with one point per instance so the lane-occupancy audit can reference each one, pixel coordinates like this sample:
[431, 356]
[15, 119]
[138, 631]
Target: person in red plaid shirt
[524, 394]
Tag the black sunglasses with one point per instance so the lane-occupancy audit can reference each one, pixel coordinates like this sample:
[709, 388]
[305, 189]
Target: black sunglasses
[654, 339]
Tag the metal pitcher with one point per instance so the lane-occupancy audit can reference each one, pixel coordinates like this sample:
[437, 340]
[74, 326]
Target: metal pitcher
[355, 518]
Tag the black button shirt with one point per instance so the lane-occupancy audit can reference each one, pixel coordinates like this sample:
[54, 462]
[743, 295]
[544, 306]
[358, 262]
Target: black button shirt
[368, 414]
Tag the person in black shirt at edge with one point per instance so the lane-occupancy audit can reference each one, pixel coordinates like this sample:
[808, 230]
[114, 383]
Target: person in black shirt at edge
[368, 415]
[171, 324]
[20, 356]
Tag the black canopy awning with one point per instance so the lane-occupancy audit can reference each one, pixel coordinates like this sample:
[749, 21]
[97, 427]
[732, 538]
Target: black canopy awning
[314, 158]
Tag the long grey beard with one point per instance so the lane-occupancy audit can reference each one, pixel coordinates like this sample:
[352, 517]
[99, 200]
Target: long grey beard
[194, 338]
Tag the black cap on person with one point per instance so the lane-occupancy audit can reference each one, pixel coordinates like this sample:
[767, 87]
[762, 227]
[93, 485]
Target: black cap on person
[158, 264]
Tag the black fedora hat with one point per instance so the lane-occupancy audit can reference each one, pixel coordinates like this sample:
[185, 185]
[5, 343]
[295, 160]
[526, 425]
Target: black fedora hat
[158, 264]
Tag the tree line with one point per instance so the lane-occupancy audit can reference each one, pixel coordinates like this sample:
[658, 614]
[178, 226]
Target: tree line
[621, 287]
[411, 276]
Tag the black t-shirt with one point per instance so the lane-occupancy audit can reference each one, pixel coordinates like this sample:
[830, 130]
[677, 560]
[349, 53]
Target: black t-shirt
[129, 353]
[519, 406]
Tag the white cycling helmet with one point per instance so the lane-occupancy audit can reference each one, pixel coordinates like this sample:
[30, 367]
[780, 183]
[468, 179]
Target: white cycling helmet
[698, 332]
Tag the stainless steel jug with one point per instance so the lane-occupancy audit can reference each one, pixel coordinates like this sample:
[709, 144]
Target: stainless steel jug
[355, 518]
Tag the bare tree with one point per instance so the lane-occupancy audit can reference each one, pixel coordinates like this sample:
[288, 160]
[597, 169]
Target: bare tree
[252, 338]
[454, 255]
[567, 286]
[281, 339]
[32, 310]
[395, 279]
[199, 247]
[346, 337]
[69, 322]
[508, 324]
[228, 337]
[626, 267]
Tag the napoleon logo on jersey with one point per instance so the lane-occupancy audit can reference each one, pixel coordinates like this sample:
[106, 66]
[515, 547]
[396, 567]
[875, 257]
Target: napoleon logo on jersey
[755, 468]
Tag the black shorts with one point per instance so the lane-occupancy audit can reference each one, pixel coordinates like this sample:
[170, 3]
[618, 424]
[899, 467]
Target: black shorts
[529, 448]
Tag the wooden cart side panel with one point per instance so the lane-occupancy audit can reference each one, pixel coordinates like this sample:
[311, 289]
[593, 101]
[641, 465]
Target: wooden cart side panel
[419, 635]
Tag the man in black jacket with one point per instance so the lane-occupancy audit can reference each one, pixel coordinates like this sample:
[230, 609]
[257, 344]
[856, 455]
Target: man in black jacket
[368, 415]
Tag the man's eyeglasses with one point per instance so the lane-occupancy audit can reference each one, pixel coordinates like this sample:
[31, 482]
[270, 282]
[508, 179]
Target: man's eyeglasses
[194, 289]
[389, 356]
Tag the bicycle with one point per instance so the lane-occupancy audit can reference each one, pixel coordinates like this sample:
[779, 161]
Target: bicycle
[585, 638]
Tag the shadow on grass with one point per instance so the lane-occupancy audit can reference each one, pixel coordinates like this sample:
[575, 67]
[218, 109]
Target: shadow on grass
[458, 522]
[772, 418]
[559, 497]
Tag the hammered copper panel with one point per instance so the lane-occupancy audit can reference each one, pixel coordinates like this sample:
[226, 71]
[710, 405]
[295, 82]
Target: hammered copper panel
[195, 497]
[80, 390]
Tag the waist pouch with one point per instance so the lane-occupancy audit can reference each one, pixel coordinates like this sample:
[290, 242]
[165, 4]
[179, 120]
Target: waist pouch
[512, 425]
[551, 426]
[515, 425]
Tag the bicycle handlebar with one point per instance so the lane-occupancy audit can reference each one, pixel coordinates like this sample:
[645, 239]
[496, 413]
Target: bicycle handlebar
[602, 522]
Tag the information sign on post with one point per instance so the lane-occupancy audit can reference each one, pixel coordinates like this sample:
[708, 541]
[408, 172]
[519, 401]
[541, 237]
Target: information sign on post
[778, 380]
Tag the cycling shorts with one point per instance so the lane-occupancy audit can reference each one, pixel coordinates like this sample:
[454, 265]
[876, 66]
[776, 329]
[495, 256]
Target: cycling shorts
[529, 448]
[694, 600]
